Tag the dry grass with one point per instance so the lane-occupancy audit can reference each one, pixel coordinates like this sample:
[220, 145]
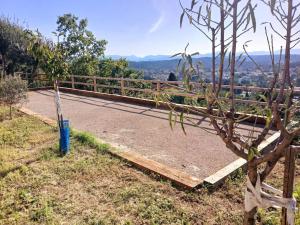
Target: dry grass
[88, 186]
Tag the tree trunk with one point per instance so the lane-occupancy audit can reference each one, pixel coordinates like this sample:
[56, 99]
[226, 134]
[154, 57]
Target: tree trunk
[222, 43]
[213, 71]
[288, 182]
[249, 217]
[233, 53]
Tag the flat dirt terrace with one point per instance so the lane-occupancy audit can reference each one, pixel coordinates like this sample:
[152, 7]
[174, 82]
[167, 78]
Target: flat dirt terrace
[142, 130]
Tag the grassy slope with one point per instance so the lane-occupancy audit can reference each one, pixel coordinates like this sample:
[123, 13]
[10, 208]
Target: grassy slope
[88, 186]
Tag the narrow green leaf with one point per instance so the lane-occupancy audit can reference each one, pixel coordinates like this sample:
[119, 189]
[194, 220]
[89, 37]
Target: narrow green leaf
[208, 17]
[177, 54]
[268, 117]
[170, 119]
[181, 122]
[175, 120]
[193, 4]
[178, 64]
[250, 154]
[229, 59]
[248, 21]
[199, 13]
[264, 98]
[190, 19]
[253, 19]
[244, 59]
[186, 47]
[190, 60]
[183, 68]
[181, 18]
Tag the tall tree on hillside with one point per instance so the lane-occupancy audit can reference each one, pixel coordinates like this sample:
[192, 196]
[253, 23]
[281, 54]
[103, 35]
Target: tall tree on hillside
[234, 19]
[13, 45]
[81, 47]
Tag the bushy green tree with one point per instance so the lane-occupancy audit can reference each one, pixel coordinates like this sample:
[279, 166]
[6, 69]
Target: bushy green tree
[13, 45]
[117, 68]
[52, 60]
[51, 57]
[13, 90]
[81, 47]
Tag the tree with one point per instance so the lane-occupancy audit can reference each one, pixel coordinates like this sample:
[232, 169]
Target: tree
[52, 61]
[82, 49]
[51, 57]
[13, 45]
[234, 19]
[13, 90]
[172, 77]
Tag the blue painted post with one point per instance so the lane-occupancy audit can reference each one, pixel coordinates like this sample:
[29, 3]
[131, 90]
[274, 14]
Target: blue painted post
[64, 141]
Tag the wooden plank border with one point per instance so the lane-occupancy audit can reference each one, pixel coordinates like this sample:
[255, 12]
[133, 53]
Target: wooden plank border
[217, 178]
[177, 177]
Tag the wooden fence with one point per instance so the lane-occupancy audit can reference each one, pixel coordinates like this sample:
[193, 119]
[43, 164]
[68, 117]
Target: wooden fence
[172, 88]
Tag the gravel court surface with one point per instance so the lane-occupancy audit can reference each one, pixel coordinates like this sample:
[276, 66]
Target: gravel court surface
[143, 130]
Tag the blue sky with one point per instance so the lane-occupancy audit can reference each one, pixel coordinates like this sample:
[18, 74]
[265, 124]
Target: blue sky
[131, 27]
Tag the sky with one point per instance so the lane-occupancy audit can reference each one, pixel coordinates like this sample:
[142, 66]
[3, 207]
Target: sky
[131, 27]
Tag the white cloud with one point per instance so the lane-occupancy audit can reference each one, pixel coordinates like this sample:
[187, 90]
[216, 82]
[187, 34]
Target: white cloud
[157, 24]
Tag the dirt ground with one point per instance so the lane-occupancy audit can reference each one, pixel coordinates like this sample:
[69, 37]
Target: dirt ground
[143, 130]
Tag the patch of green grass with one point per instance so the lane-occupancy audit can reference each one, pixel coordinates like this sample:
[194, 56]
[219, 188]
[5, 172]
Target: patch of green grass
[90, 140]
[23, 132]
[43, 213]
[50, 153]
[269, 217]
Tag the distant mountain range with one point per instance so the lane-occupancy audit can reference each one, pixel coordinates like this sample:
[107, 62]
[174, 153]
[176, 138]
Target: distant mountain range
[134, 58]
[161, 66]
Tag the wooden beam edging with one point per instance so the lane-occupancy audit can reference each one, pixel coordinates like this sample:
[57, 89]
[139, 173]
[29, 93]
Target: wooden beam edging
[177, 177]
[217, 178]
[44, 119]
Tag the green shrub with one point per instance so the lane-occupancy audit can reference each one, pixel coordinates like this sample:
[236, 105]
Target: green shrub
[13, 90]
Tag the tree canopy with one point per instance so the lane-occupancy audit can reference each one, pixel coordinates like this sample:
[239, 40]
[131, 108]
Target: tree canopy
[76, 50]
[81, 47]
[13, 48]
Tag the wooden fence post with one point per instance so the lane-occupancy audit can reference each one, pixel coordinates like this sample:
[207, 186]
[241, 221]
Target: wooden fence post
[288, 180]
[73, 82]
[122, 87]
[158, 86]
[95, 84]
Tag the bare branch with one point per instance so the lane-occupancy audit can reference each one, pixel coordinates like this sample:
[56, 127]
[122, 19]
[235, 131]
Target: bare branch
[293, 46]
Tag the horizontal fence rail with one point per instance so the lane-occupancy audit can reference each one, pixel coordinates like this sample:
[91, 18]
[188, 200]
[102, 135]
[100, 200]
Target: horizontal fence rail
[172, 88]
